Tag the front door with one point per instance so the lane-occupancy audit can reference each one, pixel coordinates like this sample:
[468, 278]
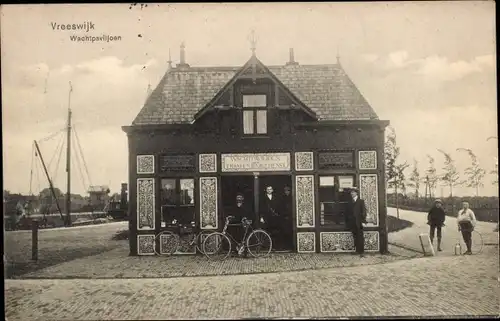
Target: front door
[277, 209]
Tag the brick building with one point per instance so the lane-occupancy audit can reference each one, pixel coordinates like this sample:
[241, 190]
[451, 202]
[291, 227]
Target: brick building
[207, 133]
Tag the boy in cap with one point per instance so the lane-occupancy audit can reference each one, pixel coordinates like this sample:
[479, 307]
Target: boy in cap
[435, 219]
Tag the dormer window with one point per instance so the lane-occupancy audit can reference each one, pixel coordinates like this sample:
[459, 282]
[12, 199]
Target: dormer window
[254, 114]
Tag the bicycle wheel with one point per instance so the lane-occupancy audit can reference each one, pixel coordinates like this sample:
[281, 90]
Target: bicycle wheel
[477, 242]
[200, 239]
[168, 243]
[217, 246]
[259, 243]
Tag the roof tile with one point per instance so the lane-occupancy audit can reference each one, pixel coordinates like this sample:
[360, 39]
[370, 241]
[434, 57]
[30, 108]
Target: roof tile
[325, 89]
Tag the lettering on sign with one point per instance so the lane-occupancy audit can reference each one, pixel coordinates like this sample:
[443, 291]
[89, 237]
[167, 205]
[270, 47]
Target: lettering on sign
[332, 160]
[177, 163]
[265, 162]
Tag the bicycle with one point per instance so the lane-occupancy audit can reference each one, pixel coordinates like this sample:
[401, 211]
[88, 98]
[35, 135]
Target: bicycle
[476, 246]
[169, 241]
[217, 243]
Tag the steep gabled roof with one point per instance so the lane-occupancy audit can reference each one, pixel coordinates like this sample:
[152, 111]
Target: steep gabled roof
[325, 89]
[254, 65]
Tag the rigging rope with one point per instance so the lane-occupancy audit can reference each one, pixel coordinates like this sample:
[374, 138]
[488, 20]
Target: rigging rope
[73, 165]
[79, 166]
[58, 160]
[83, 158]
[55, 153]
[50, 136]
[32, 163]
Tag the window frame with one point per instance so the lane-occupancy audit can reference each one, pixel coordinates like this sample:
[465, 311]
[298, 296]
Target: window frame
[177, 205]
[322, 222]
[254, 110]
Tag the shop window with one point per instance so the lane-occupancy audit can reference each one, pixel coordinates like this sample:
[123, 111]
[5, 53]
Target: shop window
[177, 201]
[254, 114]
[334, 195]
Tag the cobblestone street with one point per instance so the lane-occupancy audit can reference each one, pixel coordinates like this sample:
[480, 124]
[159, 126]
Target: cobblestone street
[433, 286]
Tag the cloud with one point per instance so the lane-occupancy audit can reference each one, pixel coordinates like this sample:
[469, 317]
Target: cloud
[398, 59]
[435, 67]
[109, 92]
[440, 68]
[370, 58]
[422, 132]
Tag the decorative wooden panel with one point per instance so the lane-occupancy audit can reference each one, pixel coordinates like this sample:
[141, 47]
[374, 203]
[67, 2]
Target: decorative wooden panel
[344, 241]
[304, 195]
[336, 160]
[368, 191]
[145, 164]
[306, 242]
[208, 203]
[304, 161]
[208, 163]
[146, 244]
[177, 163]
[166, 242]
[145, 203]
[367, 159]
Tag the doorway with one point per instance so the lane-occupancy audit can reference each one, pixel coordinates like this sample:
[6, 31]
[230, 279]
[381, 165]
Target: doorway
[277, 210]
[231, 186]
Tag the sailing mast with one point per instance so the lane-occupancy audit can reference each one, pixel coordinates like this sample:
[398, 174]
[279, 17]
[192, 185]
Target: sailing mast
[68, 161]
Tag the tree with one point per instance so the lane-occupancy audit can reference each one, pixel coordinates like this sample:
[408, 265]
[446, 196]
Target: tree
[394, 175]
[44, 193]
[495, 172]
[450, 176]
[431, 177]
[415, 178]
[475, 173]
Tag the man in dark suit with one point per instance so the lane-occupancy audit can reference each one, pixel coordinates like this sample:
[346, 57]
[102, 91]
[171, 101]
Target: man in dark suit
[286, 209]
[270, 215]
[356, 216]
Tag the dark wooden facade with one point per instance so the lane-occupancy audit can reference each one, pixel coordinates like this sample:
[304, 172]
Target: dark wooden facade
[316, 147]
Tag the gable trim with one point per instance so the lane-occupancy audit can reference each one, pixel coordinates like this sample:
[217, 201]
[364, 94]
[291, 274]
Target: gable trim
[240, 75]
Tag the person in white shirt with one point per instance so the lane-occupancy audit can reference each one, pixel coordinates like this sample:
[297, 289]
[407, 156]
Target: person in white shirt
[466, 221]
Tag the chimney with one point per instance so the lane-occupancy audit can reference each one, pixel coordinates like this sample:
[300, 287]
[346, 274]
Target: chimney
[292, 59]
[183, 57]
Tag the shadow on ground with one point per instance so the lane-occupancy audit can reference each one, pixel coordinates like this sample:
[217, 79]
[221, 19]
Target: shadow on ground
[120, 235]
[395, 225]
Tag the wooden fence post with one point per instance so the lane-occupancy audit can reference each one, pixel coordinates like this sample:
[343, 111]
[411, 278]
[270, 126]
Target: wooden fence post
[34, 240]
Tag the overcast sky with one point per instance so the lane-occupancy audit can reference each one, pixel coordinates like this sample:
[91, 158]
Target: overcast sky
[429, 68]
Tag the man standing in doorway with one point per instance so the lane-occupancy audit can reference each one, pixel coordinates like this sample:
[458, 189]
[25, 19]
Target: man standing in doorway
[270, 216]
[355, 218]
[286, 209]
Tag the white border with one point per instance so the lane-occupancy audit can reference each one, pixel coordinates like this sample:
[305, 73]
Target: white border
[297, 164]
[224, 170]
[376, 198]
[145, 156]
[137, 204]
[314, 242]
[215, 163]
[351, 251]
[138, 247]
[297, 202]
[209, 227]
[367, 152]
